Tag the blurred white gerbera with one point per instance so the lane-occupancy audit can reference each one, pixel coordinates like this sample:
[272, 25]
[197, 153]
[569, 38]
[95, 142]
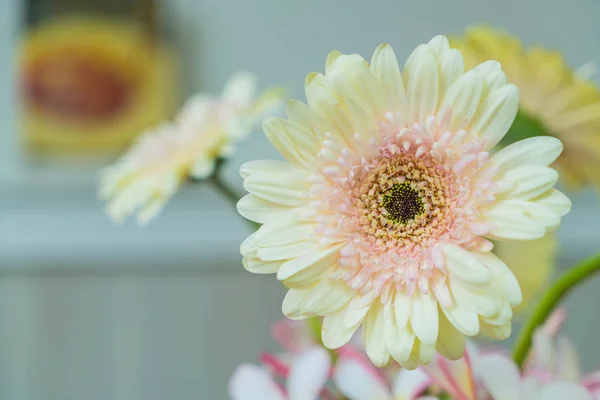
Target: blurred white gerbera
[381, 212]
[205, 130]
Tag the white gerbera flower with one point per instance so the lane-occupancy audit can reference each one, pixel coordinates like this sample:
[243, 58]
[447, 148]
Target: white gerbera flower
[207, 128]
[380, 216]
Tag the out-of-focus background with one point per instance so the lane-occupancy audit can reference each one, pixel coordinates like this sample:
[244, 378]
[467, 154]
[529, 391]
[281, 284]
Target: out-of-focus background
[90, 310]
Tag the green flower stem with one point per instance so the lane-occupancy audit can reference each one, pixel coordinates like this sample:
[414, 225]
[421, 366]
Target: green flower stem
[568, 281]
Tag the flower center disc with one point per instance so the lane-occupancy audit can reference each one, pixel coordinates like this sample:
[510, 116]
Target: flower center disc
[403, 203]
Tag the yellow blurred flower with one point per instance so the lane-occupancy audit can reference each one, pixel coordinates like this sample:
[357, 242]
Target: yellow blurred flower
[92, 84]
[554, 99]
[205, 130]
[532, 262]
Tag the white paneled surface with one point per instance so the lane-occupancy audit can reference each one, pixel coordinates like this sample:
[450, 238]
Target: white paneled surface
[89, 311]
[157, 336]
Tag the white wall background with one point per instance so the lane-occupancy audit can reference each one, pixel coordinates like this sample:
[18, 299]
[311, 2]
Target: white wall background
[90, 311]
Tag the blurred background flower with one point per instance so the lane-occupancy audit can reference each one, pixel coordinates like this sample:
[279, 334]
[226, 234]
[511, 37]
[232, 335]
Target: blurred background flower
[555, 99]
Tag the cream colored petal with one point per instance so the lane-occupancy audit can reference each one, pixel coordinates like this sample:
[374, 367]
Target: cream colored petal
[262, 211]
[466, 321]
[492, 74]
[422, 354]
[374, 336]
[555, 201]
[495, 115]
[257, 266]
[290, 189]
[293, 302]
[422, 77]
[384, 65]
[450, 61]
[529, 181]
[402, 308]
[287, 252]
[285, 231]
[202, 167]
[307, 268]
[399, 337]
[482, 301]
[317, 93]
[451, 342]
[334, 333]
[424, 317]
[498, 332]
[462, 100]
[504, 276]
[328, 297]
[350, 78]
[266, 166]
[295, 143]
[511, 222]
[465, 266]
[357, 310]
[540, 150]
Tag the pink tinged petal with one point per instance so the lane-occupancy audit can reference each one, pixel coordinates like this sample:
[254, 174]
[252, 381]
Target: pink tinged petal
[554, 201]
[334, 334]
[568, 361]
[290, 189]
[327, 297]
[592, 382]
[293, 302]
[564, 390]
[463, 265]
[424, 317]
[296, 144]
[421, 73]
[400, 338]
[500, 376]
[258, 210]
[250, 382]
[451, 342]
[409, 385]
[357, 382]
[384, 65]
[462, 100]
[539, 150]
[374, 336]
[511, 222]
[308, 268]
[529, 181]
[496, 114]
[308, 374]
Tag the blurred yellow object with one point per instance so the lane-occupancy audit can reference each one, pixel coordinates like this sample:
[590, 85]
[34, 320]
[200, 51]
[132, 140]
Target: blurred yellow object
[554, 99]
[532, 262]
[92, 84]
